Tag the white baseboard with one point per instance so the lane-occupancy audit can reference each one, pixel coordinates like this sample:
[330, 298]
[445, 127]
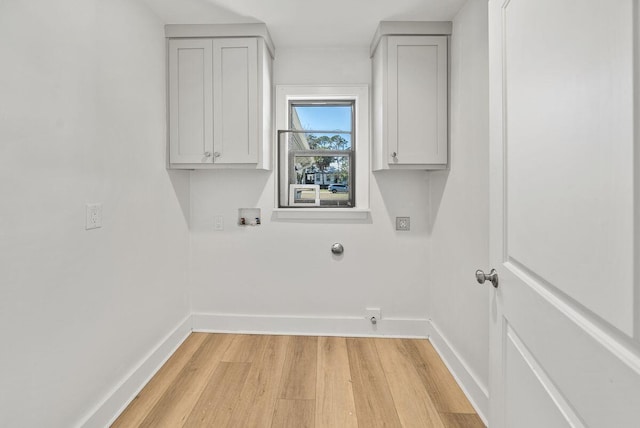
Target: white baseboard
[119, 398]
[475, 390]
[310, 326]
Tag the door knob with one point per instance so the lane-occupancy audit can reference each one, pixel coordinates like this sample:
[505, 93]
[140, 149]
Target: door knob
[481, 277]
[207, 154]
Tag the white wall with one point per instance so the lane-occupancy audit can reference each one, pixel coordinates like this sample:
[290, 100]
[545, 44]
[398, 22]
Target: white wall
[458, 230]
[285, 268]
[82, 119]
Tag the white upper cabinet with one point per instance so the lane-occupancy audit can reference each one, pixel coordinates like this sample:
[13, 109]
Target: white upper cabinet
[219, 99]
[410, 97]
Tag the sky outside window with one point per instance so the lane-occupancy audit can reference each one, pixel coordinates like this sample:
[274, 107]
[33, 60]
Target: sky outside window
[323, 117]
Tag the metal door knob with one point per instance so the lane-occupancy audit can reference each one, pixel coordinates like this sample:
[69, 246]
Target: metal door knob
[481, 277]
[207, 154]
[216, 154]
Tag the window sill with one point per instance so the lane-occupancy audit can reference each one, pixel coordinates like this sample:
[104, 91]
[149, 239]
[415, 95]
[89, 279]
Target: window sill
[321, 213]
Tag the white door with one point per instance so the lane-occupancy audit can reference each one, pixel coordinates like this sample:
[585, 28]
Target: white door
[417, 89]
[565, 336]
[191, 101]
[235, 100]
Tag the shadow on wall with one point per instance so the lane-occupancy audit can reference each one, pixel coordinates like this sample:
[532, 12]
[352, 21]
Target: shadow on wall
[196, 12]
[438, 184]
[180, 183]
[404, 194]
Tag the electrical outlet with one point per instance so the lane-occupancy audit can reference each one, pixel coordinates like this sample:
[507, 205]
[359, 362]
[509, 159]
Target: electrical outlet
[94, 216]
[218, 222]
[403, 223]
[373, 313]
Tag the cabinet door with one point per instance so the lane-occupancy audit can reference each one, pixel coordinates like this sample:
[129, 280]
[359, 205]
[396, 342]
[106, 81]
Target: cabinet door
[190, 101]
[235, 92]
[417, 100]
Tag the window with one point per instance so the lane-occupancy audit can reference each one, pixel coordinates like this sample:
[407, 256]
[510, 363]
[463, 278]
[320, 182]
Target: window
[323, 147]
[319, 152]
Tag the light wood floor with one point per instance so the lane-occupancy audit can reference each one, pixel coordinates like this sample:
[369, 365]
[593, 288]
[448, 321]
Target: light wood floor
[229, 380]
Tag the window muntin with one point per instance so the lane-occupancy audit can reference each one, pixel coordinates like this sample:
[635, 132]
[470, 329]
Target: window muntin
[318, 149]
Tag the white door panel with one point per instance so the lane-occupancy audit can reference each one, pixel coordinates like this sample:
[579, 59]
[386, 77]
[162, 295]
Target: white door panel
[567, 89]
[530, 402]
[568, 94]
[417, 90]
[563, 347]
[592, 375]
[190, 98]
[235, 95]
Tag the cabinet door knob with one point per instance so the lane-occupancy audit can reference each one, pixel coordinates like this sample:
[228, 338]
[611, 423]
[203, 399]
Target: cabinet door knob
[207, 154]
[216, 154]
[394, 155]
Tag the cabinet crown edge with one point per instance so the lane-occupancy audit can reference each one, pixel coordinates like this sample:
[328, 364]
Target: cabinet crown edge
[221, 30]
[409, 28]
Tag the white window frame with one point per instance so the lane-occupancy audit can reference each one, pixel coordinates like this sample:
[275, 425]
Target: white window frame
[360, 95]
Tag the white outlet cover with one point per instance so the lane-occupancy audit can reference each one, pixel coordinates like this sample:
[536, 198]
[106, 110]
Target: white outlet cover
[218, 222]
[93, 216]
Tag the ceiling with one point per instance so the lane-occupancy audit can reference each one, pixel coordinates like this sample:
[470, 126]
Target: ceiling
[307, 23]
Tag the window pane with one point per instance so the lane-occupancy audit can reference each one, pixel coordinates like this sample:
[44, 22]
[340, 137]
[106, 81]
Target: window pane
[331, 173]
[322, 117]
[319, 141]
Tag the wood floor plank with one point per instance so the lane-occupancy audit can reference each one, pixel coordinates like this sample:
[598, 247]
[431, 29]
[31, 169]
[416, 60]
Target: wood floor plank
[138, 409]
[280, 381]
[335, 406]
[258, 398]
[374, 403]
[244, 348]
[294, 414]
[462, 420]
[299, 376]
[175, 405]
[216, 403]
[442, 387]
[412, 401]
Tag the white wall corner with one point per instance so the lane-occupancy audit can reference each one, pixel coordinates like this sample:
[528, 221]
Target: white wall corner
[309, 326]
[475, 390]
[105, 413]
